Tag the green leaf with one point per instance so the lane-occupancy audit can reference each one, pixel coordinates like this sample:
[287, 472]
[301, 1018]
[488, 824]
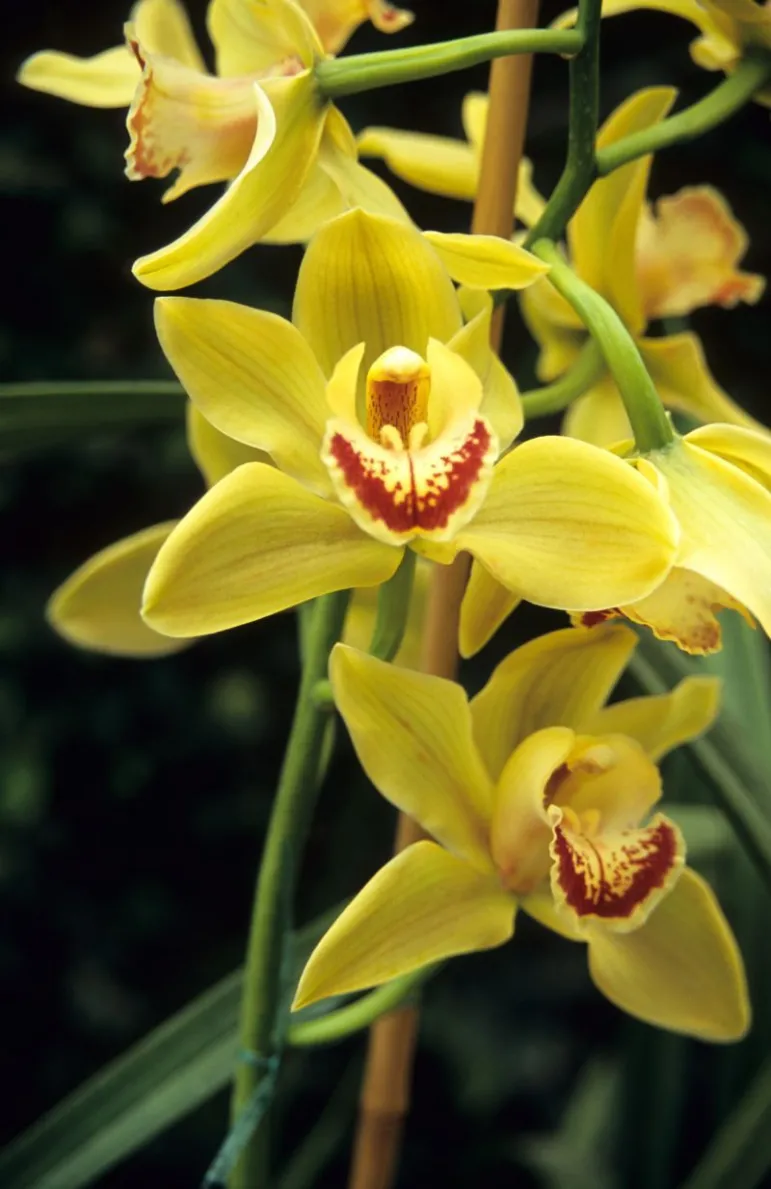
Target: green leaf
[39, 416]
[173, 1070]
[740, 1154]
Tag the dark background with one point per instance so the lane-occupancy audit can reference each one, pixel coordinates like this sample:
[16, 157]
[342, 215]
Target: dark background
[133, 795]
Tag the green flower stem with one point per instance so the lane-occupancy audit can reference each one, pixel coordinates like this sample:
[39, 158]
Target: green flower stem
[260, 1032]
[580, 169]
[393, 606]
[727, 98]
[367, 72]
[555, 397]
[354, 1017]
[650, 424]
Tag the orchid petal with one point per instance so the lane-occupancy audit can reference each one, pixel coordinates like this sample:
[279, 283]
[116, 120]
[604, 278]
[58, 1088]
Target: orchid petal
[486, 261]
[555, 326]
[437, 164]
[181, 119]
[423, 906]
[500, 401]
[253, 376]
[560, 679]
[603, 232]
[98, 606]
[163, 27]
[486, 604]
[336, 20]
[683, 610]
[255, 544]
[357, 186]
[108, 79]
[615, 879]
[725, 519]
[214, 453]
[677, 366]
[745, 448]
[563, 525]
[290, 118]
[259, 38]
[412, 734]
[682, 970]
[598, 416]
[687, 255]
[371, 279]
[662, 722]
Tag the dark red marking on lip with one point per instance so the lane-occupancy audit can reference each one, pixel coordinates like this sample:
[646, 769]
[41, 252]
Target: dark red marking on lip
[646, 859]
[590, 619]
[431, 498]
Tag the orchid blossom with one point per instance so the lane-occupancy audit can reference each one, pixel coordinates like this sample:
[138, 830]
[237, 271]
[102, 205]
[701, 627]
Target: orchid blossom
[386, 417]
[539, 797]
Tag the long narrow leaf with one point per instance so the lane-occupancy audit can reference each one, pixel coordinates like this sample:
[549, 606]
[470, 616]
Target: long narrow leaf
[159, 1081]
[740, 1154]
[38, 416]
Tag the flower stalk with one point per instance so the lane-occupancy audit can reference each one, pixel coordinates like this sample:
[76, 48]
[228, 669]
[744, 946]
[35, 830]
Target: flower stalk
[650, 424]
[555, 397]
[369, 72]
[261, 1024]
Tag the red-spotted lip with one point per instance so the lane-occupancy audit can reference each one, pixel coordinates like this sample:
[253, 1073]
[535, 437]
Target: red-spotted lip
[615, 879]
[400, 494]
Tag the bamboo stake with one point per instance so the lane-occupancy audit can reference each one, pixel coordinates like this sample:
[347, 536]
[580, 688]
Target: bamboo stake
[385, 1094]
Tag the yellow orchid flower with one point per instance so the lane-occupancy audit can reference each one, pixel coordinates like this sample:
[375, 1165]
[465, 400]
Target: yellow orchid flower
[648, 263]
[385, 416]
[260, 124]
[539, 797]
[727, 29]
[718, 482]
[336, 20]
[442, 165]
[98, 606]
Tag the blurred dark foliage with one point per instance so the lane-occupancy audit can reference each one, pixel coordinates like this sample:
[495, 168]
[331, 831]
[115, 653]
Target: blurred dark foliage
[133, 796]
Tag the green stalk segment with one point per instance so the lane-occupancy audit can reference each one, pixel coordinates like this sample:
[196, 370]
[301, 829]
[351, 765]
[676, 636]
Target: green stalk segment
[555, 397]
[260, 1032]
[368, 72]
[650, 424]
[729, 97]
[354, 1017]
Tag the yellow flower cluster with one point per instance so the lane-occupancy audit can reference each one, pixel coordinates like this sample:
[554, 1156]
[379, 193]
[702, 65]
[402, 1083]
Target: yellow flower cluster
[378, 420]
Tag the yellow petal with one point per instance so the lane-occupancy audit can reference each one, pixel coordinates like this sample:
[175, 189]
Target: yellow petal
[745, 448]
[689, 10]
[664, 721]
[563, 525]
[371, 279]
[423, 906]
[98, 606]
[725, 520]
[182, 119]
[615, 879]
[541, 907]
[290, 119]
[555, 326]
[560, 679]
[603, 232]
[336, 20]
[412, 734]
[520, 832]
[358, 187]
[682, 970]
[255, 38]
[163, 27]
[486, 261]
[485, 606]
[319, 201]
[606, 785]
[252, 375]
[255, 544]
[500, 402]
[438, 164]
[108, 79]
[687, 254]
[679, 370]
[598, 416]
[683, 610]
[214, 453]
